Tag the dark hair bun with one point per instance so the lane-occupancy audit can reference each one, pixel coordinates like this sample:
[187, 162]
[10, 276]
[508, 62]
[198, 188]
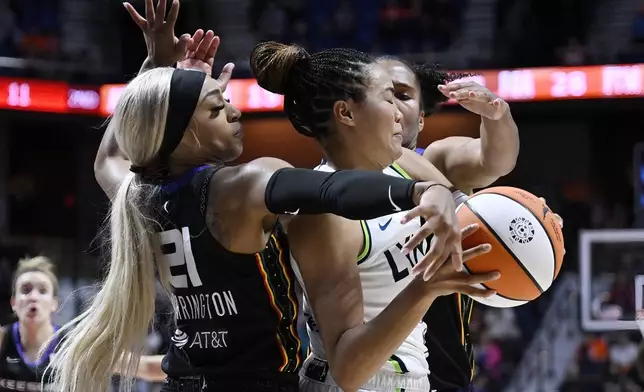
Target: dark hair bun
[272, 63]
[430, 76]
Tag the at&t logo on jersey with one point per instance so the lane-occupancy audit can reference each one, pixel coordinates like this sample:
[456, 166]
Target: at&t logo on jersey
[179, 338]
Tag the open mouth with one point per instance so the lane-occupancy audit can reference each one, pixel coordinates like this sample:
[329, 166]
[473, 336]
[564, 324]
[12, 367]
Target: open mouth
[32, 312]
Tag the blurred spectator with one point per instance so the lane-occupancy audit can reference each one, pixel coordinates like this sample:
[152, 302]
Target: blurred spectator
[272, 23]
[638, 26]
[622, 353]
[501, 324]
[635, 53]
[7, 29]
[622, 294]
[446, 21]
[38, 27]
[573, 53]
[495, 335]
[300, 33]
[604, 365]
[490, 357]
[344, 22]
[393, 26]
[394, 17]
[593, 363]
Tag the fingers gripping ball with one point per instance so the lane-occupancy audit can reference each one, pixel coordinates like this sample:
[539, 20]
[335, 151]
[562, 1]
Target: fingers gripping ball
[527, 243]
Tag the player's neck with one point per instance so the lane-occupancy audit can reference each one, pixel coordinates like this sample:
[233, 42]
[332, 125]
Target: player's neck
[340, 157]
[33, 337]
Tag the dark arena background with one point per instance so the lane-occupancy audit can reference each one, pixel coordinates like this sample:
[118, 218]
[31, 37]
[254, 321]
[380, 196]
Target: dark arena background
[572, 71]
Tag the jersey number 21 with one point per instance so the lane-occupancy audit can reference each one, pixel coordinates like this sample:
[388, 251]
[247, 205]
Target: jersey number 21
[180, 255]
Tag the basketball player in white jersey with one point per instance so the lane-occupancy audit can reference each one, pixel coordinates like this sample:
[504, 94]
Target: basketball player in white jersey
[345, 101]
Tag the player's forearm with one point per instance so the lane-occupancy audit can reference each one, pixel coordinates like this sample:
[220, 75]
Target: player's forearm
[499, 145]
[110, 164]
[361, 351]
[150, 368]
[146, 66]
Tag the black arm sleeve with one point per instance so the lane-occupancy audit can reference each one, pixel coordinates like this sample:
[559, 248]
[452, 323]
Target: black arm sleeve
[353, 194]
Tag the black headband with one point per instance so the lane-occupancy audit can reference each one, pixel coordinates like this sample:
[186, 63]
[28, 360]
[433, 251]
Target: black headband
[185, 90]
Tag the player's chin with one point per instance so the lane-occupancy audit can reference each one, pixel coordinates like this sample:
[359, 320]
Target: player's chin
[396, 149]
[234, 150]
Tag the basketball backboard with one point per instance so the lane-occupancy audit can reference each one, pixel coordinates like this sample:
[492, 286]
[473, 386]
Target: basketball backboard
[611, 265]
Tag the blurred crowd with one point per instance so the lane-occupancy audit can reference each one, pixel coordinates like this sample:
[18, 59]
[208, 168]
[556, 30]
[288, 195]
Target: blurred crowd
[391, 26]
[497, 336]
[635, 53]
[603, 363]
[527, 33]
[30, 29]
[403, 27]
[409, 27]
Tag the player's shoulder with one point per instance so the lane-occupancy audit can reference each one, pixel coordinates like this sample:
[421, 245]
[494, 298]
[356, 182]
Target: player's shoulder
[252, 170]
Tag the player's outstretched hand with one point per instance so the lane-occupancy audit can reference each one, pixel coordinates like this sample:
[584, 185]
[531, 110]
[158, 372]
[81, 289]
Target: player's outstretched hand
[200, 55]
[436, 206]
[476, 98]
[164, 48]
[448, 281]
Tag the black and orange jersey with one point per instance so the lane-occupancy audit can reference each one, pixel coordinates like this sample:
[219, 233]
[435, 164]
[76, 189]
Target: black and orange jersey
[235, 313]
[450, 358]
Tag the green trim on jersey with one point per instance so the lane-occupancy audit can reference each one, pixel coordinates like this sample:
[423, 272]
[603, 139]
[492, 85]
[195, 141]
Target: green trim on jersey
[396, 167]
[399, 367]
[366, 247]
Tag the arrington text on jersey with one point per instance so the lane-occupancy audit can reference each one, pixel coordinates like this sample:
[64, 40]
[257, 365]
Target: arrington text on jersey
[204, 306]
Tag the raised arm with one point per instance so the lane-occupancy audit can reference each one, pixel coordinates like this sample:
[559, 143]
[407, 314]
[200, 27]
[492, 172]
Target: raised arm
[164, 49]
[110, 166]
[476, 163]
[326, 248]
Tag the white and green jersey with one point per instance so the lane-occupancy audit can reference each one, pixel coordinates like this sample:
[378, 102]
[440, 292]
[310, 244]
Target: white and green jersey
[384, 271]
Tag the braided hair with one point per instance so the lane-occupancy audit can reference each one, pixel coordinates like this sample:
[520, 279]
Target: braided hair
[311, 83]
[428, 76]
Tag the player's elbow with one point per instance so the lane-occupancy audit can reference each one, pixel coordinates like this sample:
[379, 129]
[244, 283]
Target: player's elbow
[345, 376]
[345, 369]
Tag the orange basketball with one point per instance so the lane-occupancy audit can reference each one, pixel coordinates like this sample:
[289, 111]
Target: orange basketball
[527, 243]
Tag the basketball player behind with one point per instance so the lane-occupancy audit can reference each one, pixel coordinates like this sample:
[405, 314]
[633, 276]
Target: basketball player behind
[363, 301]
[34, 300]
[467, 163]
[211, 233]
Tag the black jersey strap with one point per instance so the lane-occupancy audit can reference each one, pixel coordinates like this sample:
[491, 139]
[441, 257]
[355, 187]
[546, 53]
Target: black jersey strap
[353, 194]
[202, 180]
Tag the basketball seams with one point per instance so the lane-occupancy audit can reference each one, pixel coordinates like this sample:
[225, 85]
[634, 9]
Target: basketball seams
[505, 246]
[497, 293]
[545, 229]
